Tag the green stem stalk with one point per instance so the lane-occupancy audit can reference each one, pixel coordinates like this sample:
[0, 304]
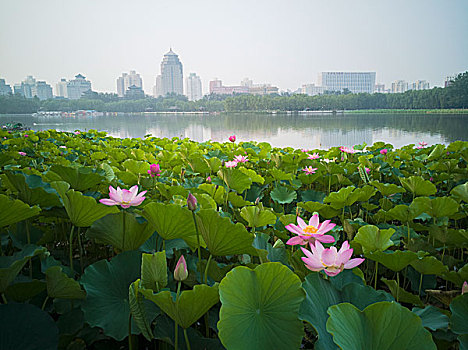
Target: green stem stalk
[186, 339]
[81, 251]
[420, 284]
[206, 270]
[4, 299]
[198, 241]
[398, 285]
[176, 329]
[130, 341]
[376, 274]
[28, 235]
[44, 303]
[123, 231]
[71, 247]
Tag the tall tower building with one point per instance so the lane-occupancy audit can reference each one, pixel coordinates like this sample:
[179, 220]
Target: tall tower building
[193, 87]
[171, 80]
[61, 88]
[127, 80]
[77, 86]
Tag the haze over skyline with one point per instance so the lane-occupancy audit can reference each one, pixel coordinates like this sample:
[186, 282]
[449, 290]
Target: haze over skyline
[269, 41]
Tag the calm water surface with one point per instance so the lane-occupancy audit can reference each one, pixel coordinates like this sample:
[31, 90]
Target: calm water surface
[280, 130]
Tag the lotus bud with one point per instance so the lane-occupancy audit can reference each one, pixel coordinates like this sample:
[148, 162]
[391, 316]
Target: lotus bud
[232, 138]
[383, 151]
[465, 287]
[181, 272]
[257, 200]
[191, 202]
[208, 179]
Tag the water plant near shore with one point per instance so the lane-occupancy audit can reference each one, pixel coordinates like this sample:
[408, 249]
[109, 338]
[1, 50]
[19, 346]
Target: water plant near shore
[211, 252]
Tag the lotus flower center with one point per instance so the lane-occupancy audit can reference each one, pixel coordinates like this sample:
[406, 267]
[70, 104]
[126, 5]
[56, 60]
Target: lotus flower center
[310, 229]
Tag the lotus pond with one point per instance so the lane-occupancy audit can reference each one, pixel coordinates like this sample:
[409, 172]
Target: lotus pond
[154, 243]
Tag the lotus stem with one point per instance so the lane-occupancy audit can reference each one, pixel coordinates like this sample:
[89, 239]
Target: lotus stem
[420, 284]
[206, 269]
[4, 298]
[186, 339]
[176, 327]
[28, 235]
[198, 241]
[398, 284]
[123, 231]
[130, 343]
[45, 303]
[81, 250]
[376, 274]
[71, 247]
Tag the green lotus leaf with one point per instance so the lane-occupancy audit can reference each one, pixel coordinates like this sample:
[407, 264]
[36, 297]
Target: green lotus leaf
[206, 201]
[222, 237]
[387, 189]
[235, 179]
[371, 238]
[311, 195]
[363, 194]
[172, 221]
[199, 164]
[108, 172]
[342, 198]
[429, 265]
[59, 285]
[280, 175]
[80, 179]
[394, 260]
[32, 190]
[154, 271]
[110, 230]
[82, 210]
[136, 167]
[253, 175]
[404, 213]
[460, 192]
[235, 200]
[283, 195]
[192, 304]
[10, 266]
[138, 311]
[442, 206]
[458, 324]
[436, 153]
[15, 210]
[324, 210]
[257, 216]
[106, 285]
[218, 193]
[418, 186]
[432, 317]
[127, 177]
[262, 305]
[380, 326]
[24, 291]
[400, 294]
[26, 327]
[321, 294]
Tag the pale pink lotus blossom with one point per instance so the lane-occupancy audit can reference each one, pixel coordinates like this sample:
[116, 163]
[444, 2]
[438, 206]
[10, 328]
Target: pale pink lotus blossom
[305, 150]
[231, 164]
[208, 179]
[347, 150]
[232, 138]
[423, 144]
[77, 133]
[154, 170]
[22, 153]
[191, 202]
[313, 156]
[419, 147]
[241, 159]
[330, 260]
[383, 151]
[465, 287]
[124, 198]
[180, 271]
[314, 231]
[62, 146]
[309, 170]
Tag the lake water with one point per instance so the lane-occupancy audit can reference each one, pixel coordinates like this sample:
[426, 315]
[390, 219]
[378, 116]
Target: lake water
[280, 130]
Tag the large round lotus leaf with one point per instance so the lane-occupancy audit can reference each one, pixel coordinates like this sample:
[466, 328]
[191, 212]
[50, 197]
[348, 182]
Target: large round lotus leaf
[59, 285]
[260, 308]
[395, 260]
[26, 327]
[432, 317]
[283, 195]
[342, 198]
[387, 189]
[81, 179]
[418, 186]
[442, 206]
[106, 284]
[172, 221]
[459, 308]
[321, 294]
[380, 326]
[258, 216]
[371, 238]
[192, 304]
[461, 192]
[429, 265]
[222, 237]
[110, 230]
[12, 211]
[235, 179]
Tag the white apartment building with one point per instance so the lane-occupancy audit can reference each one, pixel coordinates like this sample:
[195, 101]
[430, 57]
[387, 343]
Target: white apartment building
[77, 86]
[61, 88]
[127, 80]
[399, 86]
[356, 82]
[419, 85]
[312, 90]
[193, 87]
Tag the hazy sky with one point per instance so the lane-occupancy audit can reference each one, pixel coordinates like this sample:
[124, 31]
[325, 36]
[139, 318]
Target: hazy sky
[285, 43]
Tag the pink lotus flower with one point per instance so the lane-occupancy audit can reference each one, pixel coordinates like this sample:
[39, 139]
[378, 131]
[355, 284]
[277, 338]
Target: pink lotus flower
[26, 135]
[315, 231]
[383, 151]
[124, 198]
[62, 146]
[313, 156]
[465, 287]
[154, 170]
[180, 271]
[231, 164]
[305, 150]
[367, 170]
[77, 133]
[330, 260]
[309, 170]
[241, 159]
[347, 150]
[419, 147]
[22, 153]
[232, 138]
[208, 179]
[422, 144]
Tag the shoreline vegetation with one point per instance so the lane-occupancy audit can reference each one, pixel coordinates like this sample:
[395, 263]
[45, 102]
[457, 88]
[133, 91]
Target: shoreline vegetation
[451, 99]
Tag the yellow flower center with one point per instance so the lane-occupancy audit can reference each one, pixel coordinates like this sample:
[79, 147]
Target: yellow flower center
[310, 230]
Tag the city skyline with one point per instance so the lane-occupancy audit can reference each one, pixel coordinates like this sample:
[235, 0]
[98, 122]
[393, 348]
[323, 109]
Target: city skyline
[285, 45]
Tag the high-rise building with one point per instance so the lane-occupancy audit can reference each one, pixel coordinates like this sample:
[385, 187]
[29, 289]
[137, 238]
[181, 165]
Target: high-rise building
[41, 90]
[312, 90]
[449, 80]
[193, 87]
[77, 86]
[61, 88]
[171, 80]
[5, 89]
[399, 86]
[356, 82]
[419, 85]
[24, 88]
[127, 80]
[380, 88]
